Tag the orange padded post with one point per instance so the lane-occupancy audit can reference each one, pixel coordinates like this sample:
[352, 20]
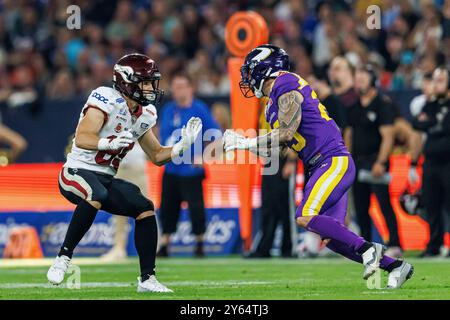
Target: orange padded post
[244, 31]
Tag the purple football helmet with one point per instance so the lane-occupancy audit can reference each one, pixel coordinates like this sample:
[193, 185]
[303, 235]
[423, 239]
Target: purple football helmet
[261, 63]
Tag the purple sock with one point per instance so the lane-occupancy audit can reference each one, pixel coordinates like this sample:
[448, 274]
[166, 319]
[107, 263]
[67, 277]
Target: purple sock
[329, 228]
[386, 262]
[345, 251]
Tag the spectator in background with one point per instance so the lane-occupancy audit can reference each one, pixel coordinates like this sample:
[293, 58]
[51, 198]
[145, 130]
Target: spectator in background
[330, 101]
[174, 32]
[23, 91]
[325, 44]
[370, 138]
[434, 120]
[418, 102]
[214, 84]
[119, 29]
[62, 87]
[404, 75]
[14, 142]
[427, 34]
[183, 182]
[340, 74]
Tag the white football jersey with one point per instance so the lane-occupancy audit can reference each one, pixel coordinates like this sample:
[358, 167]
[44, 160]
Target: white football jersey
[117, 119]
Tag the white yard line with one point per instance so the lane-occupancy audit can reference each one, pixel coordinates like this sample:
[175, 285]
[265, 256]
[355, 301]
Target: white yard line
[225, 283]
[11, 263]
[8, 263]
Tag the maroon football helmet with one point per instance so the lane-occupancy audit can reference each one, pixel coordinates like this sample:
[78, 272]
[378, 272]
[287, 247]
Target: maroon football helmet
[130, 71]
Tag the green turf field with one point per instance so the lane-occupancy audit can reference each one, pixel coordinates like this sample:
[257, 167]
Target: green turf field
[229, 278]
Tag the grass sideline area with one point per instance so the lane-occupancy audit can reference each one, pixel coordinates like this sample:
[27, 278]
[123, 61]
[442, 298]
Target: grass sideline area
[224, 278]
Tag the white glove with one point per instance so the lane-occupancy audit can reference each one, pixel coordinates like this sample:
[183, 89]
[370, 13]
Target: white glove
[123, 140]
[413, 176]
[233, 141]
[188, 135]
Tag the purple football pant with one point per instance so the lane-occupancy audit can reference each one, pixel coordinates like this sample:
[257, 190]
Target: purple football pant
[325, 192]
[325, 199]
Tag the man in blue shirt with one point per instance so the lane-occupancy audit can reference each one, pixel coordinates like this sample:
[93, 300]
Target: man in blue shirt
[183, 181]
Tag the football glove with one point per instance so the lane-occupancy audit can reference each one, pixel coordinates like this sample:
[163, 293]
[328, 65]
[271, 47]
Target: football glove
[123, 140]
[235, 141]
[189, 133]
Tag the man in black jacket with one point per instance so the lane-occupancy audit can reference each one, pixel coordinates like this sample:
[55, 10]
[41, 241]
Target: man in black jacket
[434, 120]
[370, 136]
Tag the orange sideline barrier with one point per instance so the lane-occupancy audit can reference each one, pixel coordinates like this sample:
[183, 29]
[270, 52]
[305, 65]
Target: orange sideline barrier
[23, 243]
[34, 187]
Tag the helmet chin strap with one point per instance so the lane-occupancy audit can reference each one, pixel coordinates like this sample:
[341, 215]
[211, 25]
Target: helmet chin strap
[258, 91]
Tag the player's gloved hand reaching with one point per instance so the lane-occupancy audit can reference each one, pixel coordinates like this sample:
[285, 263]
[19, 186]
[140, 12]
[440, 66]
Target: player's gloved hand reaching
[234, 141]
[123, 140]
[189, 133]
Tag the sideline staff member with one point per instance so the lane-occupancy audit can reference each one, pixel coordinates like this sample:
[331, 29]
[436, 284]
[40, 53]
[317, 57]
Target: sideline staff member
[370, 137]
[435, 121]
[183, 181]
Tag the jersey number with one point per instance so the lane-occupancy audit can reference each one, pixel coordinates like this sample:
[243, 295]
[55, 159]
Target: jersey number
[298, 141]
[110, 157]
[323, 111]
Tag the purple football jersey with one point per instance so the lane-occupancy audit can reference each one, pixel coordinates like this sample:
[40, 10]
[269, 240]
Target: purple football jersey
[318, 137]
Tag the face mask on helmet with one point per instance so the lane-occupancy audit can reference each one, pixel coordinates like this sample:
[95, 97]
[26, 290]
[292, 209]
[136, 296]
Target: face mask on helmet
[131, 85]
[251, 84]
[152, 95]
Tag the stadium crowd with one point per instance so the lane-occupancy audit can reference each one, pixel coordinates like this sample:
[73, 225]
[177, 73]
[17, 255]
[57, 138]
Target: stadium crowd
[41, 57]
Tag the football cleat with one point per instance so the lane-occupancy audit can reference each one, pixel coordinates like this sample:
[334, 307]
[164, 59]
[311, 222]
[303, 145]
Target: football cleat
[371, 259]
[56, 272]
[398, 276]
[151, 285]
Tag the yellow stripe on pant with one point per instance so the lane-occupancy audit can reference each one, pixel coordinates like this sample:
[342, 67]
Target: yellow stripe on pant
[325, 185]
